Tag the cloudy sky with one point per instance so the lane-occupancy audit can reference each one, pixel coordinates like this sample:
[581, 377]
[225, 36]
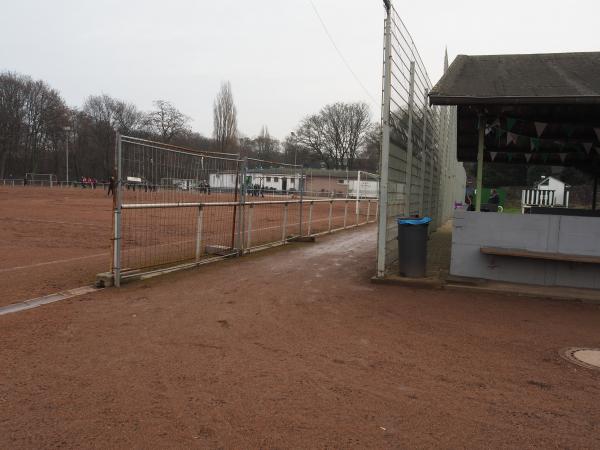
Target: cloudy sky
[277, 55]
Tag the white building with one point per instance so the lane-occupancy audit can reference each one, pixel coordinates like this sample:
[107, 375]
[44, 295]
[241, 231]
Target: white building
[269, 181]
[549, 191]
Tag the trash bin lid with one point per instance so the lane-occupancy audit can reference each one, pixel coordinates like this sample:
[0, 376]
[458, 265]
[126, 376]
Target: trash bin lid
[408, 221]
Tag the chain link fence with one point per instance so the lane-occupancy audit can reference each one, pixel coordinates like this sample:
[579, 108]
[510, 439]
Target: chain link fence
[176, 207]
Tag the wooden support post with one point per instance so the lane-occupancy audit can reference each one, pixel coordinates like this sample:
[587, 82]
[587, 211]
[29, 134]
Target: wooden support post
[330, 214]
[480, 147]
[595, 194]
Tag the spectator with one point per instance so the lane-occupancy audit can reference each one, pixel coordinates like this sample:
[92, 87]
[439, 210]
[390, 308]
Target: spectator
[111, 186]
[494, 198]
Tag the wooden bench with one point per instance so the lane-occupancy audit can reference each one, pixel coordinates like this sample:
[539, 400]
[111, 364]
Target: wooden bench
[520, 253]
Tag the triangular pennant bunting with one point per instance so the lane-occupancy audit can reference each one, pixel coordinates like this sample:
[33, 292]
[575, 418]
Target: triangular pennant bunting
[545, 157]
[597, 130]
[587, 146]
[510, 123]
[535, 144]
[493, 155]
[569, 129]
[527, 157]
[511, 138]
[509, 157]
[563, 156]
[540, 127]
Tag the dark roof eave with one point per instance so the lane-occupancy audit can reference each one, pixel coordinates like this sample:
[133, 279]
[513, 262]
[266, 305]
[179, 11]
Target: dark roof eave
[467, 100]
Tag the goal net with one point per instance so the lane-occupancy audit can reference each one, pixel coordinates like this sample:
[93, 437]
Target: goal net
[41, 179]
[366, 185]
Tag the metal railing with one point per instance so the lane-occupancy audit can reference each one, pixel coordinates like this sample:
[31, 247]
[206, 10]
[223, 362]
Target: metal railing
[178, 207]
[202, 237]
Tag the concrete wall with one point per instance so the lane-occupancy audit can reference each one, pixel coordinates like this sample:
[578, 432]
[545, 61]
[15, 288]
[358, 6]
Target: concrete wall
[545, 233]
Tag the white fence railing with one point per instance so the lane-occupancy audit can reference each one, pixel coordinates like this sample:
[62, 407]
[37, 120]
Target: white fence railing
[165, 236]
[542, 197]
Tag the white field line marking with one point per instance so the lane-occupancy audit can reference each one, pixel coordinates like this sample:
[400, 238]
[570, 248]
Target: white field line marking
[46, 299]
[56, 261]
[97, 255]
[89, 224]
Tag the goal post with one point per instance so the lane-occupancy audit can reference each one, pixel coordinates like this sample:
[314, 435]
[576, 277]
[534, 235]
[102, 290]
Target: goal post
[41, 179]
[365, 187]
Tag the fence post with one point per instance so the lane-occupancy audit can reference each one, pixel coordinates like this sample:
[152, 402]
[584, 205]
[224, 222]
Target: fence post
[242, 213]
[385, 145]
[330, 214]
[117, 214]
[357, 195]
[199, 233]
[423, 156]
[368, 210]
[284, 227]
[345, 213]
[249, 242]
[310, 211]
[409, 146]
[301, 197]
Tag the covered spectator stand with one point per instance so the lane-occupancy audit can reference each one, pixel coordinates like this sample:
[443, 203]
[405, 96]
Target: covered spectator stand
[527, 109]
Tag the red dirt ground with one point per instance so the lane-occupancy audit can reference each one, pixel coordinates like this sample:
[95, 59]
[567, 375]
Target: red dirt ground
[43, 225]
[59, 238]
[295, 348]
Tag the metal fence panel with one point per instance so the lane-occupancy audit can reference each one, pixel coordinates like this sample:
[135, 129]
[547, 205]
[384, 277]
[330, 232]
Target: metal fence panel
[419, 170]
[176, 207]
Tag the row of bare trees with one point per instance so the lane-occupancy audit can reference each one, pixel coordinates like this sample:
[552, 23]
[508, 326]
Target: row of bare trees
[32, 117]
[35, 124]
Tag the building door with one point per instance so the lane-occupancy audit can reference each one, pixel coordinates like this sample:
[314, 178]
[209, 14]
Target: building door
[284, 184]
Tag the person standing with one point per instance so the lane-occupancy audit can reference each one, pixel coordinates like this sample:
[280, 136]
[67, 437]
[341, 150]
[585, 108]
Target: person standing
[494, 198]
[111, 186]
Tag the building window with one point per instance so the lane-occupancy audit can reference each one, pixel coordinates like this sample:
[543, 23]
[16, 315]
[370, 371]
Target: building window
[276, 179]
[268, 179]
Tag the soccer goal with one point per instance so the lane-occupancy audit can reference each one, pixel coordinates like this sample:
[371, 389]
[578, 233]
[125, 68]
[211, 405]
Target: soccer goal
[366, 185]
[41, 179]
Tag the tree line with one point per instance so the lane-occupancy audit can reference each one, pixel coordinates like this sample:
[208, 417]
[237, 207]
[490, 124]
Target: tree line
[36, 125]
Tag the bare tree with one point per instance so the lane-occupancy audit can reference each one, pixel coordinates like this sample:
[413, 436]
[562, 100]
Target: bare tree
[336, 134]
[225, 119]
[167, 121]
[266, 147]
[106, 116]
[31, 119]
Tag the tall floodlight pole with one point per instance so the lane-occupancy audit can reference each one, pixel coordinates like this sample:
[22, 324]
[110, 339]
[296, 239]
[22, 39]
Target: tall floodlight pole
[385, 143]
[67, 129]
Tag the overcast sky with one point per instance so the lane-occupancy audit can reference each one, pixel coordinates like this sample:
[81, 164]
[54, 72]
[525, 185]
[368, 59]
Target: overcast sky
[281, 64]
